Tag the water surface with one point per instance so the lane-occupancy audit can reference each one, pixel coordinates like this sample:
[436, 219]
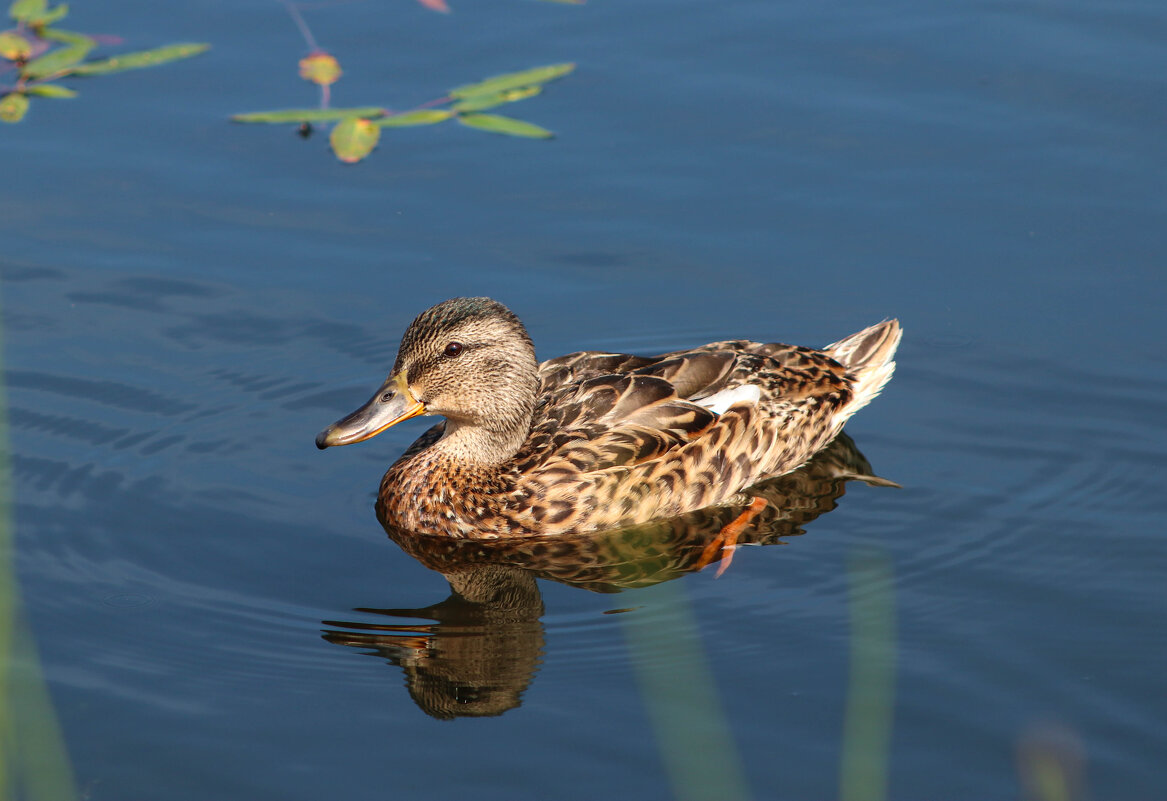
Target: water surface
[187, 302]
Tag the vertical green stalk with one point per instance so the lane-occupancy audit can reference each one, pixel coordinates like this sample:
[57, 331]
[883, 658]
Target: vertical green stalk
[8, 609]
[867, 726]
[691, 731]
[32, 750]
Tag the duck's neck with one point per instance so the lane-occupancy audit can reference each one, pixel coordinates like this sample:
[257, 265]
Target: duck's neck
[468, 444]
[495, 427]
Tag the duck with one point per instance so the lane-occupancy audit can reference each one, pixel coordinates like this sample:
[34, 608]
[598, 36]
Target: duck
[596, 441]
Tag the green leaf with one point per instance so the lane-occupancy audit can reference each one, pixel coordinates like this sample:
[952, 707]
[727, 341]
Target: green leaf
[483, 102]
[411, 118]
[513, 80]
[68, 37]
[13, 46]
[144, 58]
[12, 107]
[50, 90]
[57, 62]
[308, 114]
[496, 123]
[24, 10]
[48, 18]
[353, 139]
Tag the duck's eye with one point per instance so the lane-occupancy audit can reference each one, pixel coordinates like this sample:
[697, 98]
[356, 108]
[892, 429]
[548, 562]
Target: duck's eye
[388, 396]
[453, 350]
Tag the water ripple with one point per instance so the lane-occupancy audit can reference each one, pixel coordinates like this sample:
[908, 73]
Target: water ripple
[102, 392]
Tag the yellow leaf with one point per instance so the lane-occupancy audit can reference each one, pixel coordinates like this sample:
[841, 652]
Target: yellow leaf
[354, 138]
[13, 46]
[320, 68]
[12, 107]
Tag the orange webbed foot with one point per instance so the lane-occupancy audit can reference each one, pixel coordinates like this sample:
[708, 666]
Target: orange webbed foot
[725, 543]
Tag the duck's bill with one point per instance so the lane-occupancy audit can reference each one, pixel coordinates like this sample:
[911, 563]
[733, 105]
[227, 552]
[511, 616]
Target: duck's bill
[392, 404]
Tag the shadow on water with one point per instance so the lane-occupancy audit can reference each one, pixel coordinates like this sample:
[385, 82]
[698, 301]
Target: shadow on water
[486, 641]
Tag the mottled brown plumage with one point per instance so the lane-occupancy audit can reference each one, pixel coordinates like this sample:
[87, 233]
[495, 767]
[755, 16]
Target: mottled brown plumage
[648, 553]
[595, 441]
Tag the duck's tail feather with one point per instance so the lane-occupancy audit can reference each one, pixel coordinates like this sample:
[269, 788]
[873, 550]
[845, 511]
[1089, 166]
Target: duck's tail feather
[870, 356]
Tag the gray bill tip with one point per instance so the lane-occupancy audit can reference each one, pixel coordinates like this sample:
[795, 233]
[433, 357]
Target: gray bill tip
[322, 438]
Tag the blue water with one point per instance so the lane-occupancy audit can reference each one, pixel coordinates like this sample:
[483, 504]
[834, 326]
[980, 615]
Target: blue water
[186, 302]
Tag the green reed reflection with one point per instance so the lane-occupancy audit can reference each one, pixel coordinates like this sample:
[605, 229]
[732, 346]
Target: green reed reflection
[867, 726]
[33, 762]
[680, 694]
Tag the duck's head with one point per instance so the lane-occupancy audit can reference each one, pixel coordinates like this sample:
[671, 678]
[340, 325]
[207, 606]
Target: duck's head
[469, 360]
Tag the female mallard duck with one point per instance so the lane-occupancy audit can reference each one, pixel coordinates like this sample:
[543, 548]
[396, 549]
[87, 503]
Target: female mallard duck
[594, 441]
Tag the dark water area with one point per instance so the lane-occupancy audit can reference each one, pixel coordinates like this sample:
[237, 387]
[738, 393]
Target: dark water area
[187, 302]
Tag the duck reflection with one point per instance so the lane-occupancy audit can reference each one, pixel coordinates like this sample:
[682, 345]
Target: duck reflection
[485, 642]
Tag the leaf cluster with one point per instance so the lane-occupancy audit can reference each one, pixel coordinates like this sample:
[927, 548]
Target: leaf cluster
[358, 130]
[41, 55]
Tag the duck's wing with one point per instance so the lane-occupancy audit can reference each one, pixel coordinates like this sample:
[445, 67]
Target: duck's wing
[694, 373]
[600, 410]
[554, 374]
[674, 433]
